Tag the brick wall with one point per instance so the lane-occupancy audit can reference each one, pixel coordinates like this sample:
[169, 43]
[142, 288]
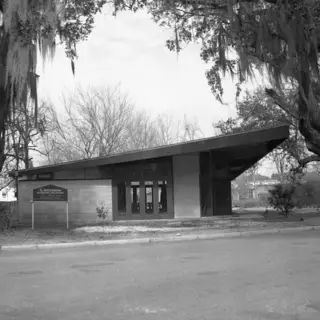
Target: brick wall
[186, 186]
[84, 196]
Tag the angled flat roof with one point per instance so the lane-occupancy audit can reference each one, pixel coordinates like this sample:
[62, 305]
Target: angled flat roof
[277, 134]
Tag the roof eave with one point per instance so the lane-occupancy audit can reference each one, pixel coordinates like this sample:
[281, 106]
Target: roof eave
[252, 137]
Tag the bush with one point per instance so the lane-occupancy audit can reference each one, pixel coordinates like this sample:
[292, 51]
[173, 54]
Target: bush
[282, 198]
[102, 212]
[5, 216]
[308, 195]
[248, 203]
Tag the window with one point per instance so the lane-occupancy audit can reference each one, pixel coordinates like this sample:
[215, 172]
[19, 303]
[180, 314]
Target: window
[135, 197]
[149, 196]
[122, 204]
[162, 196]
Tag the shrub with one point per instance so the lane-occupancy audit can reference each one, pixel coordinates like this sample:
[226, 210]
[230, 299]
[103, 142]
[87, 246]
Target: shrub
[5, 216]
[307, 195]
[249, 203]
[282, 197]
[102, 212]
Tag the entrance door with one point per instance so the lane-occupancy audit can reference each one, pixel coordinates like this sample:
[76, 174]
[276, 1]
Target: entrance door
[142, 200]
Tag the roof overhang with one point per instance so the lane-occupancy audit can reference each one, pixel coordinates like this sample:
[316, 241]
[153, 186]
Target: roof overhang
[273, 137]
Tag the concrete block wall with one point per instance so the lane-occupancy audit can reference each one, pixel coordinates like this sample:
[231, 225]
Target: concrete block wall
[186, 192]
[84, 196]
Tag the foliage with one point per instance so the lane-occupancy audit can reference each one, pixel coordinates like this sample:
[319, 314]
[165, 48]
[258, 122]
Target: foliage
[102, 212]
[282, 198]
[5, 216]
[307, 194]
[257, 110]
[25, 27]
[247, 203]
[34, 24]
[279, 39]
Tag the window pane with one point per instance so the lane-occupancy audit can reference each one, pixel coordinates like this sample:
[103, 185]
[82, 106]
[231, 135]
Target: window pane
[162, 196]
[122, 197]
[135, 197]
[149, 196]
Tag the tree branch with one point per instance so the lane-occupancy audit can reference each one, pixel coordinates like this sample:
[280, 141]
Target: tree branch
[7, 184]
[309, 159]
[279, 101]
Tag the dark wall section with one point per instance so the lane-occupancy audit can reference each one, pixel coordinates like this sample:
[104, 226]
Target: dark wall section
[222, 198]
[215, 186]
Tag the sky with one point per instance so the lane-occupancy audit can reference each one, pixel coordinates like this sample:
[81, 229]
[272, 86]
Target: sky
[130, 50]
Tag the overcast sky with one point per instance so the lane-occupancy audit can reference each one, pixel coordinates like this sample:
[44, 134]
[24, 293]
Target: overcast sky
[130, 49]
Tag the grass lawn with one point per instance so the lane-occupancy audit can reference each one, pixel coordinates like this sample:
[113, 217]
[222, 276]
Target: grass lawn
[243, 219]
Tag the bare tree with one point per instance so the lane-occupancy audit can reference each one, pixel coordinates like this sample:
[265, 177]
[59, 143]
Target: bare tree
[143, 132]
[251, 173]
[190, 130]
[95, 123]
[167, 129]
[23, 133]
[280, 160]
[162, 130]
[101, 121]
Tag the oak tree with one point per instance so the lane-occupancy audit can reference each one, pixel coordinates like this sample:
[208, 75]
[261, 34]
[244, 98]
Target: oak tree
[278, 38]
[25, 27]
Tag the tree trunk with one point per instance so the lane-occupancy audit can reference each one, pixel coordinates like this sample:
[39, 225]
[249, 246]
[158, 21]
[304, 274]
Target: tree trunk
[3, 118]
[309, 122]
[311, 135]
[4, 101]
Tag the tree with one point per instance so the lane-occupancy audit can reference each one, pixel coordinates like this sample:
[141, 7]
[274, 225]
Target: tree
[25, 27]
[257, 110]
[190, 130]
[94, 123]
[279, 158]
[278, 38]
[143, 133]
[24, 134]
[100, 121]
[22, 139]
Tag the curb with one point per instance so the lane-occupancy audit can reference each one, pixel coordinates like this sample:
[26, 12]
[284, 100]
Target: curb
[50, 246]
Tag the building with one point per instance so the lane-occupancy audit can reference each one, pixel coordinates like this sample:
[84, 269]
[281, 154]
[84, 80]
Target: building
[260, 189]
[185, 180]
[234, 192]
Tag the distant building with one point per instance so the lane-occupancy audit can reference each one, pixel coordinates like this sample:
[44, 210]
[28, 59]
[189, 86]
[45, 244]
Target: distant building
[235, 192]
[259, 189]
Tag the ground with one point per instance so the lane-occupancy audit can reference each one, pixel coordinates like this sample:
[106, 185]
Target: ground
[242, 220]
[262, 277]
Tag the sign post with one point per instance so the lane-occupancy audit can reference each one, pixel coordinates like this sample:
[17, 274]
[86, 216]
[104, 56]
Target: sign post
[32, 213]
[50, 193]
[67, 213]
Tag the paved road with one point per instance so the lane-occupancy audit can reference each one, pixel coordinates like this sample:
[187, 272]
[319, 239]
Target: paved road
[266, 277]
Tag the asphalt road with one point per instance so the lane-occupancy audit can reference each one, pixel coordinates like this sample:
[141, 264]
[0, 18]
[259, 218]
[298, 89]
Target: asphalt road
[265, 277]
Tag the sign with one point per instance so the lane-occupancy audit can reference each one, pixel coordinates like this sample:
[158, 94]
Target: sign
[50, 193]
